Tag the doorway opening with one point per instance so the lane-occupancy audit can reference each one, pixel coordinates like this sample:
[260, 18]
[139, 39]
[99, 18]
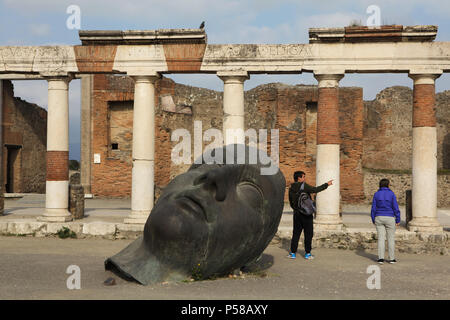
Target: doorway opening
[13, 167]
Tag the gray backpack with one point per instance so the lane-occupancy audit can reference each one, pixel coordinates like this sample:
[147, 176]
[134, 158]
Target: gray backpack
[305, 203]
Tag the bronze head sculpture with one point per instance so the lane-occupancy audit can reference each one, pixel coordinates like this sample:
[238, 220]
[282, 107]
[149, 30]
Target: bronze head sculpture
[213, 219]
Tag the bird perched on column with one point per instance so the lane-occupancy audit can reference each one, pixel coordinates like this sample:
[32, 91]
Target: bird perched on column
[202, 25]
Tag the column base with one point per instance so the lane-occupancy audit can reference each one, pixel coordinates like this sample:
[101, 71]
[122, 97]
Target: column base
[139, 217]
[425, 224]
[55, 215]
[328, 223]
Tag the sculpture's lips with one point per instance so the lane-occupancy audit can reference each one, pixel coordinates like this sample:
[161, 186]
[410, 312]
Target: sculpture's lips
[193, 204]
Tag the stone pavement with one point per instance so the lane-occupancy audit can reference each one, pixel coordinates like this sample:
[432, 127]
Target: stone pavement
[104, 218]
[35, 268]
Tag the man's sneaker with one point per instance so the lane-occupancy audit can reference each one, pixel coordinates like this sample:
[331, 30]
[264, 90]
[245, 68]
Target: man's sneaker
[309, 256]
[380, 261]
[291, 255]
[392, 261]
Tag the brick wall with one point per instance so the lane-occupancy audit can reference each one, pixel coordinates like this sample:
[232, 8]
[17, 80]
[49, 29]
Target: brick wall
[291, 109]
[112, 177]
[24, 128]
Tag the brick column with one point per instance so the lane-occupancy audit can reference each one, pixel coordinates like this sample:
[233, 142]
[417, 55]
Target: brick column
[87, 82]
[233, 106]
[424, 162]
[57, 184]
[327, 160]
[142, 184]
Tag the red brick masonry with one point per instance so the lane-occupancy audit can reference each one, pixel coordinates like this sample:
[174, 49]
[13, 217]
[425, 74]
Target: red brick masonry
[57, 165]
[328, 116]
[424, 106]
[95, 58]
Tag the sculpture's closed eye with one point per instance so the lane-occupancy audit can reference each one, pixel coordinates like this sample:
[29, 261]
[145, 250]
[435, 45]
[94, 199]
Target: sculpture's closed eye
[216, 181]
[251, 194]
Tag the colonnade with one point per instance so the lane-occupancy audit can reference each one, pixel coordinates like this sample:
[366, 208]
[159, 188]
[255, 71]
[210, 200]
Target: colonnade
[424, 162]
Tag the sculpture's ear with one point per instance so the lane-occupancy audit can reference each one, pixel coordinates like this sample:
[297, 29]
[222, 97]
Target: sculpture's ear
[136, 262]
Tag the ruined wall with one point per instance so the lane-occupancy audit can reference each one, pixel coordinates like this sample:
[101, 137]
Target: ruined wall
[400, 182]
[24, 133]
[2, 198]
[388, 129]
[112, 176]
[388, 142]
[443, 129]
[291, 109]
[113, 101]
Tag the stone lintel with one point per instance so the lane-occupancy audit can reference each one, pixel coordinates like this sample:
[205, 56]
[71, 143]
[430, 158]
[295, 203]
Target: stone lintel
[141, 37]
[384, 33]
[20, 76]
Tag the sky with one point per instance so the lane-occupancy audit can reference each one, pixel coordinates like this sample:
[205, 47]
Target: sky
[44, 22]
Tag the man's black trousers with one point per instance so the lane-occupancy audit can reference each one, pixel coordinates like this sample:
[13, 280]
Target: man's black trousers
[302, 222]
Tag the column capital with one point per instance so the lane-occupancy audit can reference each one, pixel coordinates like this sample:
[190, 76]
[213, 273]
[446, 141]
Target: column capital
[328, 80]
[57, 75]
[421, 77]
[146, 78]
[233, 76]
[54, 80]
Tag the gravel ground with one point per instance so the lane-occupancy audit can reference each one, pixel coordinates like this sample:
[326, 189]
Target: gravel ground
[35, 268]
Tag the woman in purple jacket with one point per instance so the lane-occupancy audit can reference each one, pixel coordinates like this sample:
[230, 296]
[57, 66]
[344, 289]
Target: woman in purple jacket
[385, 215]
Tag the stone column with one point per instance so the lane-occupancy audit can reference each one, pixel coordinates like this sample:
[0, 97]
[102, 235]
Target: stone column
[233, 106]
[327, 159]
[57, 184]
[142, 184]
[86, 132]
[424, 161]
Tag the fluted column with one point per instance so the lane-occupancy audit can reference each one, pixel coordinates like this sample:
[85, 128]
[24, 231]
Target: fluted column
[142, 184]
[233, 106]
[57, 178]
[327, 159]
[424, 157]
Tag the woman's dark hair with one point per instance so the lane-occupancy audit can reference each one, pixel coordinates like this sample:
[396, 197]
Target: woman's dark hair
[384, 183]
[298, 174]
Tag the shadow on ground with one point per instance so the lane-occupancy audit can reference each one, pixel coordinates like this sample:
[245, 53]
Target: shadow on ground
[362, 253]
[262, 264]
